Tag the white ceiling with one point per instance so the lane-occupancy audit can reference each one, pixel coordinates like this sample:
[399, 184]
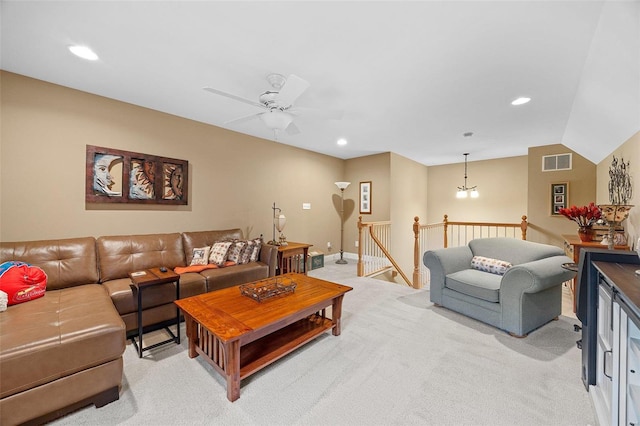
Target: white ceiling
[410, 77]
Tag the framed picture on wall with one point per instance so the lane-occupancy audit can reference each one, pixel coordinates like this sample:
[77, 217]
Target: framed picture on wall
[559, 197]
[117, 176]
[365, 197]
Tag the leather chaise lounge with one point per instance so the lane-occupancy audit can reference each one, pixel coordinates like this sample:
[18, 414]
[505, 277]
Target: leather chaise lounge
[64, 350]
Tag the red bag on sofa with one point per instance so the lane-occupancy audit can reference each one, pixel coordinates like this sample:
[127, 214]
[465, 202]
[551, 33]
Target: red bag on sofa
[22, 282]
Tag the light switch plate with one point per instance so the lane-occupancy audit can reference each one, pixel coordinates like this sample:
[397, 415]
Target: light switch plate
[306, 206]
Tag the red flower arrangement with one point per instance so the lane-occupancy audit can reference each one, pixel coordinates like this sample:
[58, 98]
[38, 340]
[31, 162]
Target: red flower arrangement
[584, 216]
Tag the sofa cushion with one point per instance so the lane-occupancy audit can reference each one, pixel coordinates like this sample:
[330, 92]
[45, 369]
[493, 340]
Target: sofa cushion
[120, 255]
[512, 250]
[487, 264]
[67, 262]
[126, 301]
[239, 274]
[191, 240]
[474, 283]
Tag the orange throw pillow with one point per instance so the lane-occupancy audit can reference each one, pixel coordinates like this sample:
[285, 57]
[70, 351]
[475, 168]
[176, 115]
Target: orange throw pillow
[193, 268]
[200, 268]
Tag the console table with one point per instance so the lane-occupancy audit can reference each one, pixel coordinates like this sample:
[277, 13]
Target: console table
[293, 258]
[146, 280]
[572, 246]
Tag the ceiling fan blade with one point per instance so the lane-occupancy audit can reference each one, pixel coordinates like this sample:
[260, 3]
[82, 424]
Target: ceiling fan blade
[332, 114]
[292, 129]
[243, 119]
[234, 97]
[292, 89]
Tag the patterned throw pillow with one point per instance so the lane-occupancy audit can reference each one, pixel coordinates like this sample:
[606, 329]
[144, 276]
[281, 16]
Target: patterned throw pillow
[200, 256]
[236, 250]
[255, 253]
[247, 250]
[219, 252]
[487, 264]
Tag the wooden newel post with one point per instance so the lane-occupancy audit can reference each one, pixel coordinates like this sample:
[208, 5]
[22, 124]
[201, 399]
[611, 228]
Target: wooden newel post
[360, 267]
[416, 253]
[445, 222]
[523, 226]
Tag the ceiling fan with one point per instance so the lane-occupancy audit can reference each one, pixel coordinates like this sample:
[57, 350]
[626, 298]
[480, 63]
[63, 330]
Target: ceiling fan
[277, 104]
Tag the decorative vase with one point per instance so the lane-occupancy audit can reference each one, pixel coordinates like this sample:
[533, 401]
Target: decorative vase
[585, 233]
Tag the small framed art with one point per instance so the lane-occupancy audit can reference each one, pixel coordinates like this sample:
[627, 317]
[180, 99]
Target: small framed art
[559, 197]
[365, 197]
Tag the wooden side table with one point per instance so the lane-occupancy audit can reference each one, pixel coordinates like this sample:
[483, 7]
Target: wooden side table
[289, 257]
[572, 246]
[143, 280]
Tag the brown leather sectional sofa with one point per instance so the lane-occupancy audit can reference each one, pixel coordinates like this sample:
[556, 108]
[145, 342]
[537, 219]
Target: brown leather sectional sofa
[64, 350]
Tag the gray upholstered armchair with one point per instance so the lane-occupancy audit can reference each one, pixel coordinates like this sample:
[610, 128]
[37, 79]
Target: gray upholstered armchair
[511, 284]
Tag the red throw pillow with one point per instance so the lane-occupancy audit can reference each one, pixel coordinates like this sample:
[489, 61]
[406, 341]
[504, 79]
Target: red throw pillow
[22, 282]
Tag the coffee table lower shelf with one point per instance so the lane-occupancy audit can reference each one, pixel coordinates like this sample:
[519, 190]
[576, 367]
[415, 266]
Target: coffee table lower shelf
[254, 355]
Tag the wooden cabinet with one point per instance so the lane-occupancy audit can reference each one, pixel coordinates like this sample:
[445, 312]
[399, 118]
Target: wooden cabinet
[572, 246]
[616, 392]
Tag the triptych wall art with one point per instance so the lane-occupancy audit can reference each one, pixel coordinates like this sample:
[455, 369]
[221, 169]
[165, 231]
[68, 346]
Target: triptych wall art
[116, 176]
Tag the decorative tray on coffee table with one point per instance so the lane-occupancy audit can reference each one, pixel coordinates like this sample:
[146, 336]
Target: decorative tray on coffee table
[266, 289]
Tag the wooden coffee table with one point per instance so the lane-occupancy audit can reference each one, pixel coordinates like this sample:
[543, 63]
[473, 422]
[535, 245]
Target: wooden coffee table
[239, 336]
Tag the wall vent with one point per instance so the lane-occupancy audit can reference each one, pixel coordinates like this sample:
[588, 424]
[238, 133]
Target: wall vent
[556, 162]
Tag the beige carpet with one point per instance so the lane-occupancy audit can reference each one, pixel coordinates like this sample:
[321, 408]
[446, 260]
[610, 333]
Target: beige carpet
[399, 360]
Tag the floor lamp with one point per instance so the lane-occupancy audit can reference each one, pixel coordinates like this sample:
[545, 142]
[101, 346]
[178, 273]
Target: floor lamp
[342, 186]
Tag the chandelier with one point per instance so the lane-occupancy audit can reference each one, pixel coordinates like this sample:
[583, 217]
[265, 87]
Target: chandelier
[464, 191]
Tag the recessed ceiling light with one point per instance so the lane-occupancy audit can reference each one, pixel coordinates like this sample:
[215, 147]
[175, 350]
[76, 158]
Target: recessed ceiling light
[521, 101]
[84, 52]
[342, 141]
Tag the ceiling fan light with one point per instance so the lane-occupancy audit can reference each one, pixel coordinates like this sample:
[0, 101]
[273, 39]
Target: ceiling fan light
[461, 193]
[276, 120]
[474, 193]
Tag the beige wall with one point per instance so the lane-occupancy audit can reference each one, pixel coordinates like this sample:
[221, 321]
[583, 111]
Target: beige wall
[502, 184]
[581, 179]
[408, 198]
[234, 179]
[630, 151]
[374, 168]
